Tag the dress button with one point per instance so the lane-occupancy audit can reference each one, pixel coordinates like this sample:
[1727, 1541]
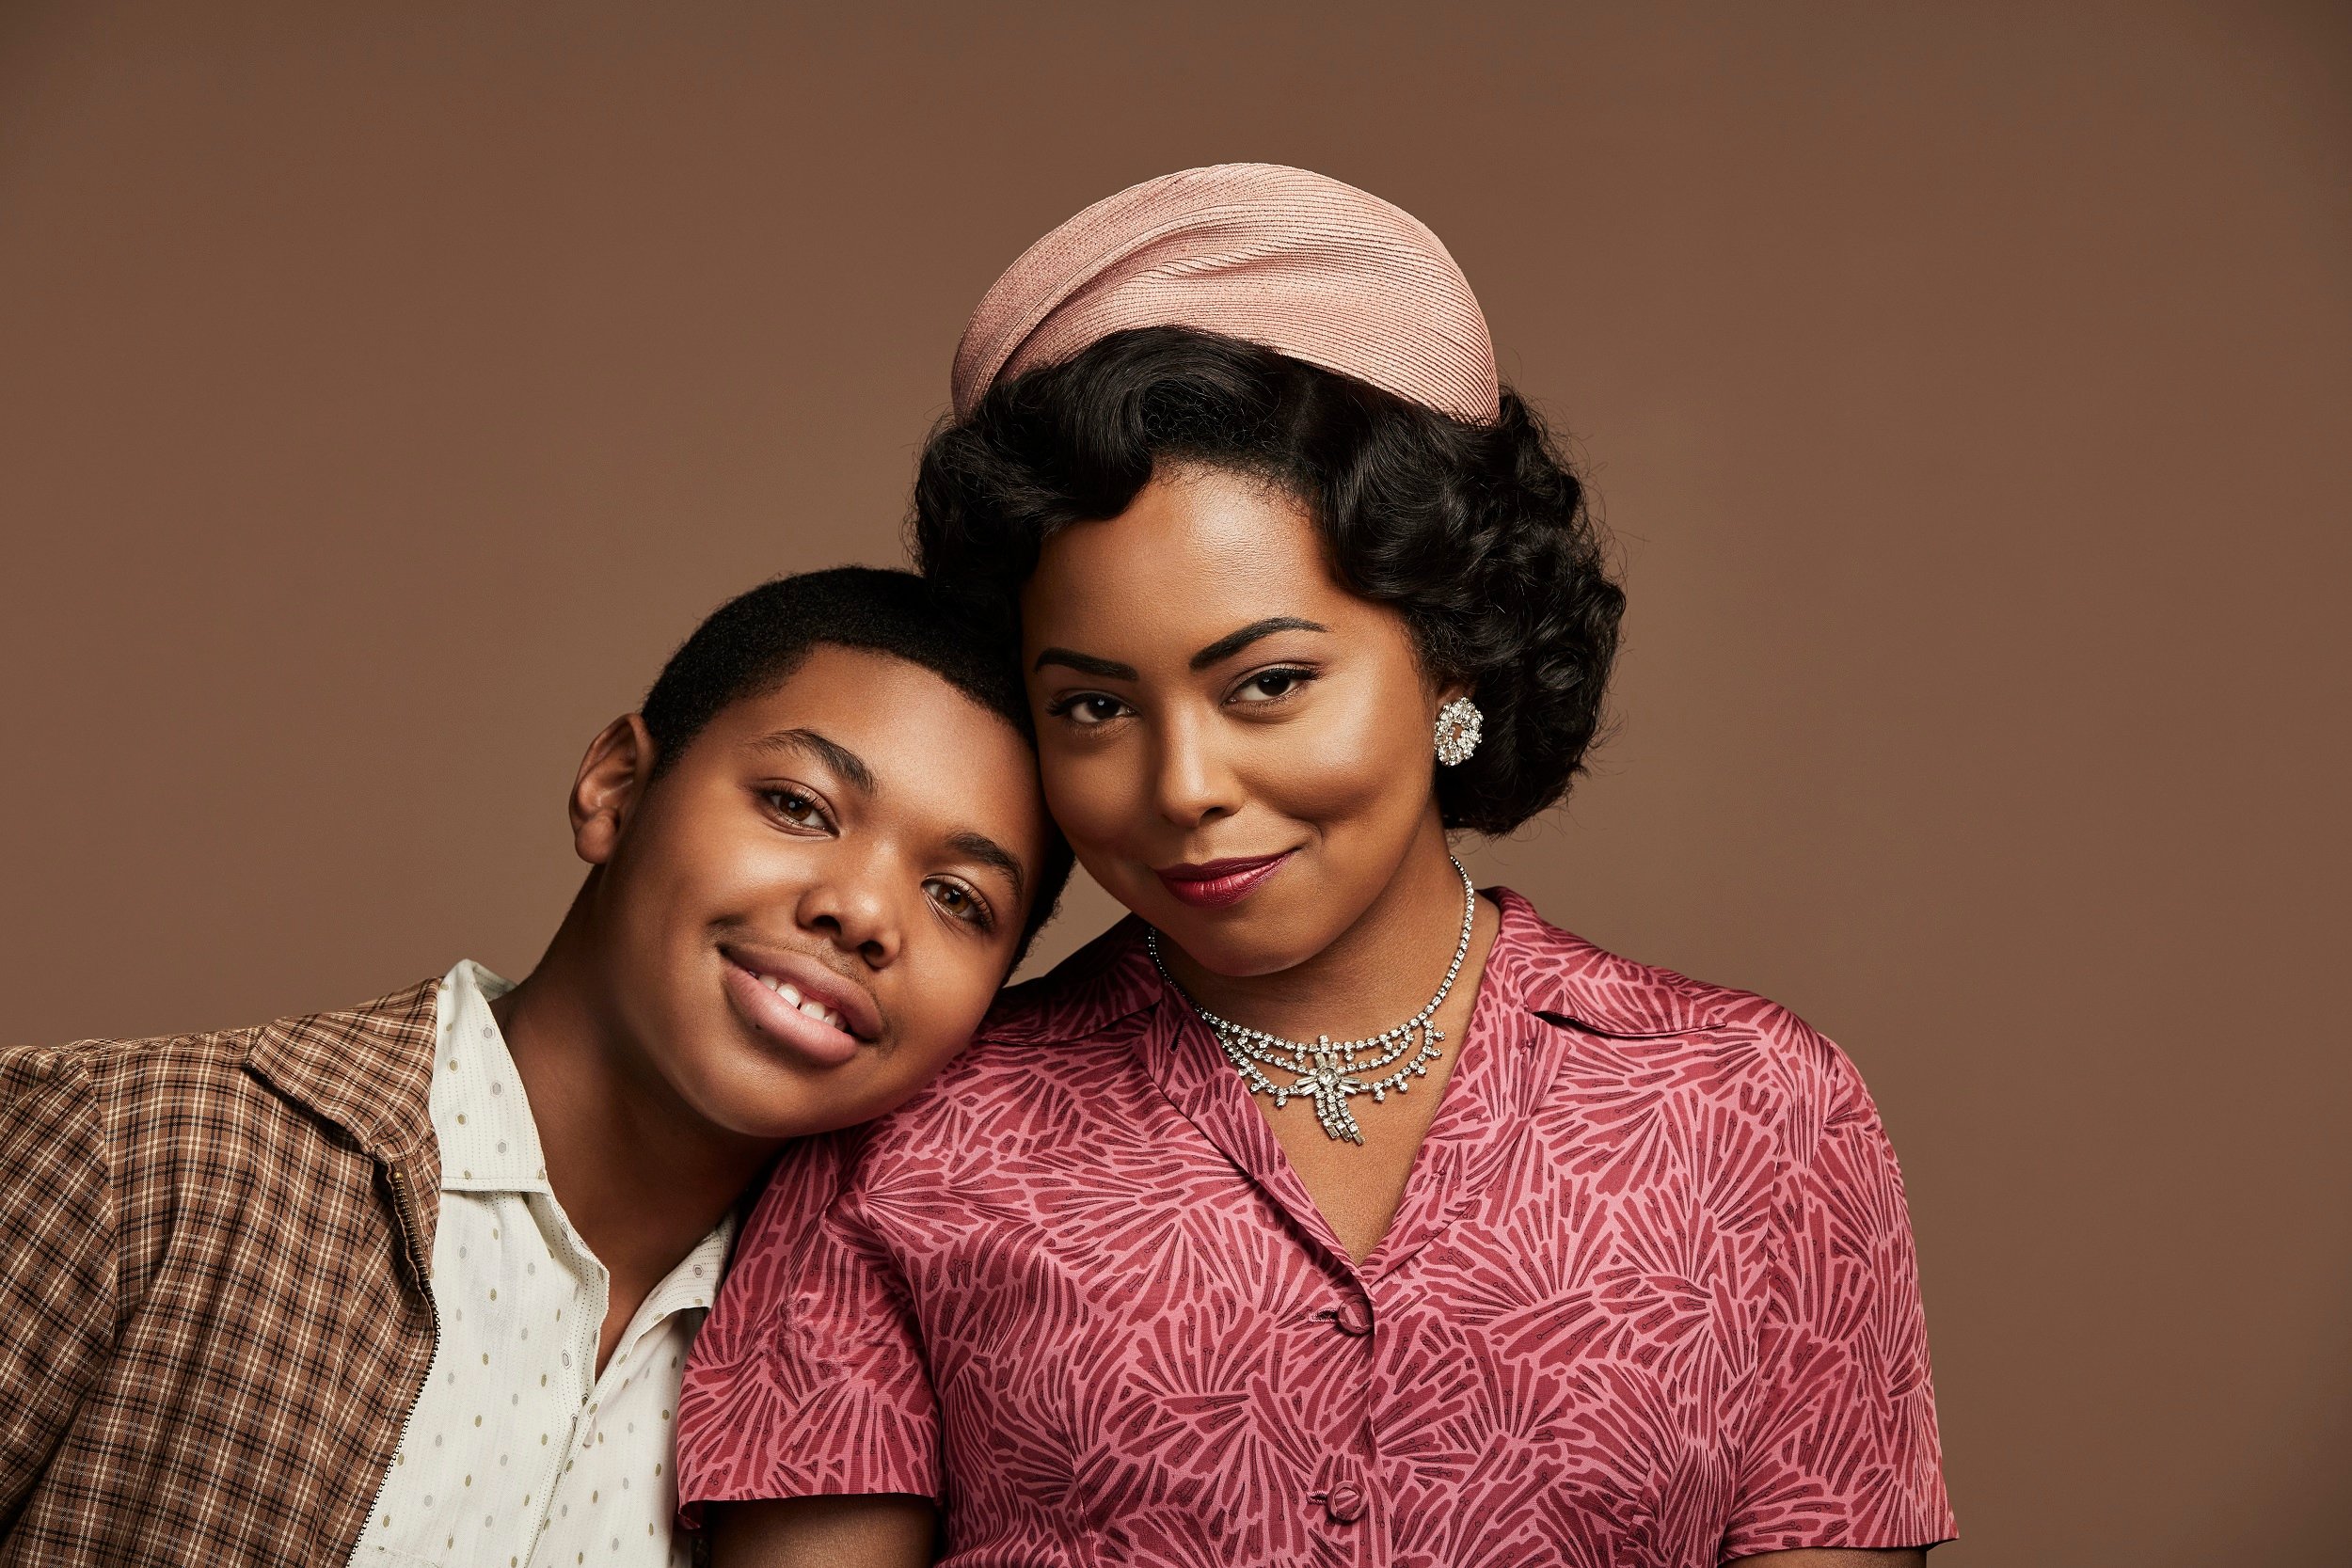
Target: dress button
[1353, 1317]
[1346, 1503]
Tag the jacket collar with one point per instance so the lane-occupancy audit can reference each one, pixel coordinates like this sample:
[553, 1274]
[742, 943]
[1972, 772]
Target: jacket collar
[369, 1070]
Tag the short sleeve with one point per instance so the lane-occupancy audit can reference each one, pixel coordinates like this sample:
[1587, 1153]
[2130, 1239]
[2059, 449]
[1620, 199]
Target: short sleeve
[1842, 1447]
[808, 1379]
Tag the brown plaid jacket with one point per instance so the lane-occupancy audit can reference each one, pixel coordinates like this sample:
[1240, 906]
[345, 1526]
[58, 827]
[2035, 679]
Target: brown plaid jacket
[215, 1307]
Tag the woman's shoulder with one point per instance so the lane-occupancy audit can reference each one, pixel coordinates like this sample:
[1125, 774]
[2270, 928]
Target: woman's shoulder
[1715, 1038]
[1108, 979]
[1063, 1026]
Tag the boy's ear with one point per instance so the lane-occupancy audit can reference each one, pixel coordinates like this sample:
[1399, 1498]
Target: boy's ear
[612, 779]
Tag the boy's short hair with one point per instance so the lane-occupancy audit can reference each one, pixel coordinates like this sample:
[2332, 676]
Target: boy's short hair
[754, 641]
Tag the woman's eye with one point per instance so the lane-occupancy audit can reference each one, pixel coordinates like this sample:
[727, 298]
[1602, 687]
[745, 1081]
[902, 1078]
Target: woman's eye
[1090, 708]
[958, 901]
[1271, 686]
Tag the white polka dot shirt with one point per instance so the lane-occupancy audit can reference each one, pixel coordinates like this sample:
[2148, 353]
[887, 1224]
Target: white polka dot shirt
[518, 1452]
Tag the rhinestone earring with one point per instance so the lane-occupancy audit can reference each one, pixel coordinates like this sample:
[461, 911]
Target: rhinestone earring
[1457, 731]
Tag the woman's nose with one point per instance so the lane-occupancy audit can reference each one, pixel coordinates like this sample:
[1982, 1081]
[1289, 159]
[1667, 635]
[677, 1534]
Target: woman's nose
[1194, 784]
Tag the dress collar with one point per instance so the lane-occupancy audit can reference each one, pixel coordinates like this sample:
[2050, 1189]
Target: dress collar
[1558, 975]
[1538, 986]
[1535, 966]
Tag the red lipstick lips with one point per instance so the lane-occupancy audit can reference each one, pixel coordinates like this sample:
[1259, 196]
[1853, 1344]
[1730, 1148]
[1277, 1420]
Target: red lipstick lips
[1220, 884]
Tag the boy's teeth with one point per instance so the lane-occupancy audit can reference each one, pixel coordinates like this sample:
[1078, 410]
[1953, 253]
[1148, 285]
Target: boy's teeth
[793, 997]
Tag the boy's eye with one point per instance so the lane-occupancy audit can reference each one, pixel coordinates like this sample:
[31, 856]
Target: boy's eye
[1272, 685]
[796, 807]
[1090, 708]
[959, 901]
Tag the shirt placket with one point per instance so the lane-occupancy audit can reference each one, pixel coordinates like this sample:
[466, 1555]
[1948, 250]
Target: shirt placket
[1480, 1114]
[1344, 1490]
[1367, 1321]
[577, 1362]
[1500, 1075]
[1339, 1501]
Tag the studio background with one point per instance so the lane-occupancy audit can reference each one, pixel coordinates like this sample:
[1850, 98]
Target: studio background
[385, 391]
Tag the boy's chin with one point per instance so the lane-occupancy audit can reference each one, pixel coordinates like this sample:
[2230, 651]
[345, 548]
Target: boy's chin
[738, 1080]
[756, 1096]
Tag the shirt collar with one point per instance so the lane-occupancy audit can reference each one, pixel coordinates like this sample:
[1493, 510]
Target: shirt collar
[489, 1144]
[693, 1284]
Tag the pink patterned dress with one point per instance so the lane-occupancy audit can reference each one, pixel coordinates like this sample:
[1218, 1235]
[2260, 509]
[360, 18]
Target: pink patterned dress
[1649, 1301]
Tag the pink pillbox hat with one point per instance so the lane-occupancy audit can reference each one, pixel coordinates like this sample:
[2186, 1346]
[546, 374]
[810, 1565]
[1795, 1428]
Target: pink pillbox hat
[1280, 256]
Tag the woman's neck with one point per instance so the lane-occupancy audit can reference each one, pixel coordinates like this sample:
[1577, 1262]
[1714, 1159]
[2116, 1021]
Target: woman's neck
[1374, 974]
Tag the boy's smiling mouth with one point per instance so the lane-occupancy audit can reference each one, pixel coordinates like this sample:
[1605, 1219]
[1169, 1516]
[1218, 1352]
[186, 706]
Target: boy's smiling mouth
[813, 1008]
[801, 1004]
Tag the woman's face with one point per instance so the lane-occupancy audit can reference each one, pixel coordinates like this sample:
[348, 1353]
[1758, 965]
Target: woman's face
[1238, 748]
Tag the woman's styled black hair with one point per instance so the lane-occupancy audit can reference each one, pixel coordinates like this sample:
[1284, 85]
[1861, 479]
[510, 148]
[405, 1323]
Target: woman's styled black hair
[1477, 534]
[753, 644]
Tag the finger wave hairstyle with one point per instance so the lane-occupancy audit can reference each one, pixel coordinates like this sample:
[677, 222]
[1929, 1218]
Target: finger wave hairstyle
[1478, 534]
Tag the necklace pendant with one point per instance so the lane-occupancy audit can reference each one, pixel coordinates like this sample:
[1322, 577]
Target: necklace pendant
[1339, 1122]
[1327, 1073]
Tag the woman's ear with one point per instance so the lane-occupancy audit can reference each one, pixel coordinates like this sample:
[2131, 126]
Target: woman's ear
[612, 779]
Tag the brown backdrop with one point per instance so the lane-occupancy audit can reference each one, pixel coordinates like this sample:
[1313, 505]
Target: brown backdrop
[383, 391]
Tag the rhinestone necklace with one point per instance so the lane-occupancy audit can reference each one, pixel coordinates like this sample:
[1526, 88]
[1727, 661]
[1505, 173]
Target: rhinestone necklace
[1331, 1071]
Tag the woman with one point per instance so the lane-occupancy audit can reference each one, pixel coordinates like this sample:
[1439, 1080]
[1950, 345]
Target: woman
[1324, 1212]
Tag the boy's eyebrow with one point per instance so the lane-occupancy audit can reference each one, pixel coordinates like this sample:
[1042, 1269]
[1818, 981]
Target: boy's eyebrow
[830, 752]
[989, 852]
[852, 767]
[1087, 664]
[1232, 642]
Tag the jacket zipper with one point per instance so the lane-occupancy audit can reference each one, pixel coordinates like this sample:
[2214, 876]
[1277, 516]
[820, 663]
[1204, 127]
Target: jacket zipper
[433, 1311]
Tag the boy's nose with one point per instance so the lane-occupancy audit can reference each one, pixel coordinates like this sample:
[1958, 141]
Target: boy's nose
[855, 913]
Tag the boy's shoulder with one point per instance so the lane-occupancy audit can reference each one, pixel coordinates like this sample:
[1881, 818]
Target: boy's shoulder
[109, 1068]
[368, 1069]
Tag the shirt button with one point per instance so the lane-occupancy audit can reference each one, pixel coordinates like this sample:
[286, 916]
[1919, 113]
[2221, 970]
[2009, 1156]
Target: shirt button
[1353, 1319]
[1346, 1503]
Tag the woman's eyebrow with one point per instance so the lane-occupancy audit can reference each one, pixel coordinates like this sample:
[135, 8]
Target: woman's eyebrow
[1232, 642]
[808, 743]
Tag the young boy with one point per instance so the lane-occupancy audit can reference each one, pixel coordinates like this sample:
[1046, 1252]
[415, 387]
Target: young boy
[413, 1283]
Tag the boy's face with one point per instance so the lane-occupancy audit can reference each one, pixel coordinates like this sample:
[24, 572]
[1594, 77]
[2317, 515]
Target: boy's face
[804, 919]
